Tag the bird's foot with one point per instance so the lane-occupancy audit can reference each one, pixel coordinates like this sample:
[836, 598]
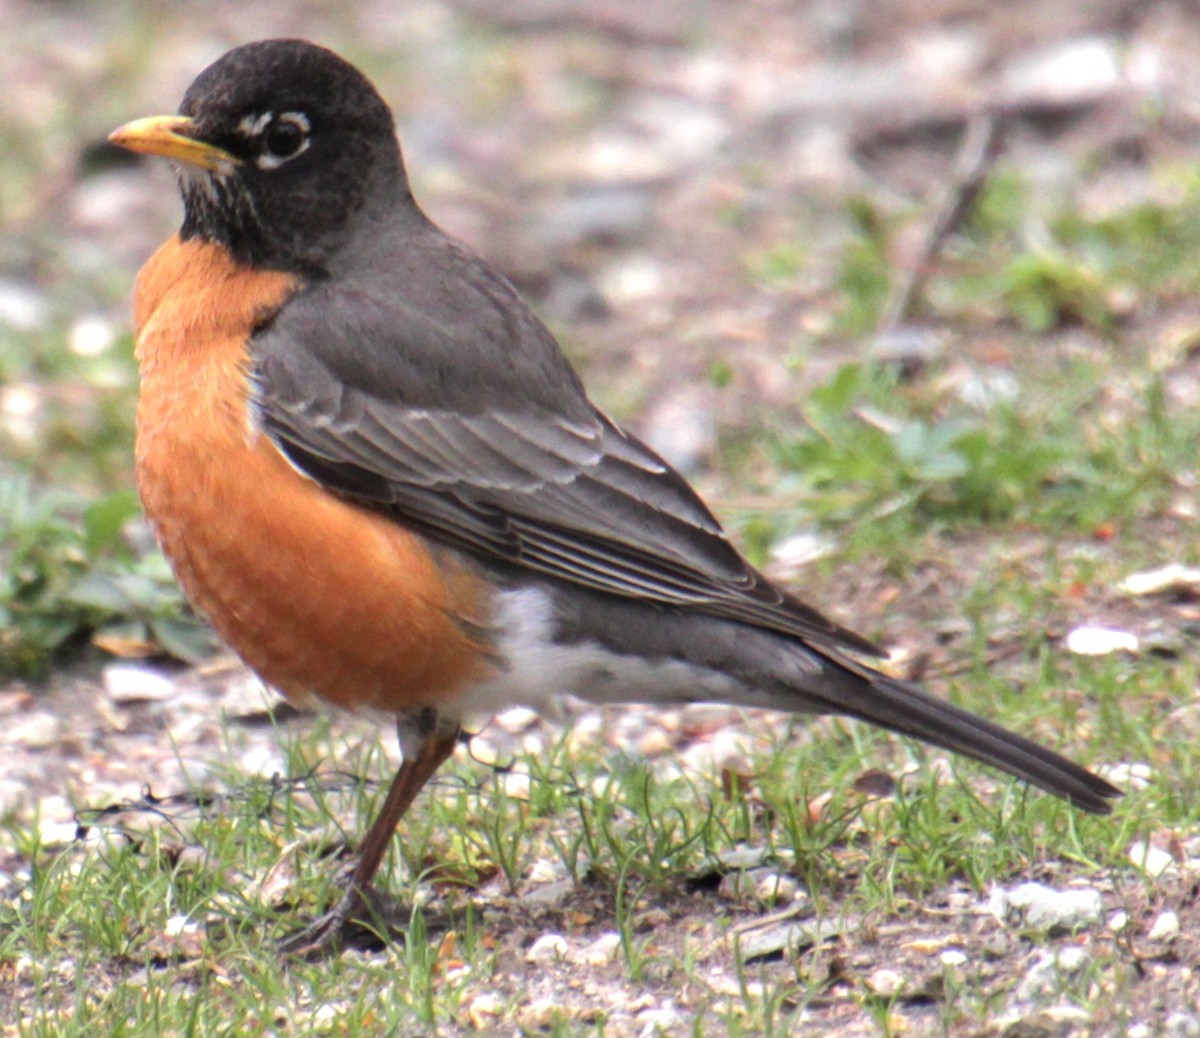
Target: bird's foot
[364, 920]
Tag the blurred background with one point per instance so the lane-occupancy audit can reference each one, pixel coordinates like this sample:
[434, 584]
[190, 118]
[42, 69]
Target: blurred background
[867, 272]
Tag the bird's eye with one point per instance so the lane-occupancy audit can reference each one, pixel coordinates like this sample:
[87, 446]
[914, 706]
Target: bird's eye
[284, 137]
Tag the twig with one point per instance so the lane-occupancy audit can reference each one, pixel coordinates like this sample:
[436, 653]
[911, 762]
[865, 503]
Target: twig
[981, 145]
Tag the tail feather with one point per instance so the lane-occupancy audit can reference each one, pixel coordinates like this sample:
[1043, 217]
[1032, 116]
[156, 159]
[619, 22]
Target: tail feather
[905, 708]
[688, 657]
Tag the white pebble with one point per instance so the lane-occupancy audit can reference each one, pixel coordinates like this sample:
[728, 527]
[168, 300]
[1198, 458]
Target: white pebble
[540, 1015]
[1183, 1025]
[1154, 860]
[515, 719]
[1100, 641]
[1128, 774]
[1049, 973]
[517, 785]
[775, 887]
[886, 982]
[602, 950]
[654, 1022]
[1165, 928]
[131, 683]
[550, 947]
[1039, 907]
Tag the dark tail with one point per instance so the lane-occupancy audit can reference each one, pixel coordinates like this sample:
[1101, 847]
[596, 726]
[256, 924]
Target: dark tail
[781, 672]
[903, 707]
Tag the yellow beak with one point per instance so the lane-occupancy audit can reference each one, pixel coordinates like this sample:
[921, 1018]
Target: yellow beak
[166, 135]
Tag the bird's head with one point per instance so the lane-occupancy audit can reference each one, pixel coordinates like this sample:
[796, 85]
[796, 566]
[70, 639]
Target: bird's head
[280, 147]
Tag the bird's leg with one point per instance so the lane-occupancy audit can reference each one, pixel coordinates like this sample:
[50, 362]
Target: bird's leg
[426, 740]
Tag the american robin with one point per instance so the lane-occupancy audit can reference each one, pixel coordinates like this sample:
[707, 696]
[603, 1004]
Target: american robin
[374, 471]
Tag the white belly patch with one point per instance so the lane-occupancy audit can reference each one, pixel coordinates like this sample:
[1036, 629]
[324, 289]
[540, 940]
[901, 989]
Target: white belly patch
[539, 672]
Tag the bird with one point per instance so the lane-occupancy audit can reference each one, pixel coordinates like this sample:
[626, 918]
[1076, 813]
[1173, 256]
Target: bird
[373, 470]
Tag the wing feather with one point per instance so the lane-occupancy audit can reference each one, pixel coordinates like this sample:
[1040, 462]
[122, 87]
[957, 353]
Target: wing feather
[525, 472]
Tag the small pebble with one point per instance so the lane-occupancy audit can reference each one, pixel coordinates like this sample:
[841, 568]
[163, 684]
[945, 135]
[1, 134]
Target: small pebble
[546, 870]
[549, 894]
[654, 1022]
[1128, 774]
[1154, 860]
[541, 1015]
[1100, 641]
[602, 950]
[517, 785]
[740, 884]
[775, 887]
[1039, 907]
[1057, 1021]
[911, 348]
[655, 742]
[959, 900]
[483, 1009]
[743, 857]
[886, 983]
[1076, 71]
[37, 730]
[325, 1015]
[54, 831]
[1174, 578]
[997, 945]
[605, 213]
[632, 280]
[728, 750]
[1183, 1025]
[1165, 928]
[1050, 972]
[129, 683]
[548, 948]
[515, 719]
[179, 924]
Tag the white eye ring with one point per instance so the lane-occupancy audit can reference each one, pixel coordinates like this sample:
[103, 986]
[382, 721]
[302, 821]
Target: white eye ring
[272, 157]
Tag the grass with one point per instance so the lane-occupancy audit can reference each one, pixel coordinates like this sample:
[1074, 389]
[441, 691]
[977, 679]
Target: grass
[171, 927]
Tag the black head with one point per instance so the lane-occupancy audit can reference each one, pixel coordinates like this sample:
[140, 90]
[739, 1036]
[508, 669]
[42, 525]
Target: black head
[281, 147]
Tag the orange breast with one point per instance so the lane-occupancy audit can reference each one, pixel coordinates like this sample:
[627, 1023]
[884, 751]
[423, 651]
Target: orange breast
[319, 596]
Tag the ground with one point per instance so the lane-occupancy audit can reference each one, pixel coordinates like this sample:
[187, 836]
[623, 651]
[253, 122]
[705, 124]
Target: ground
[906, 289]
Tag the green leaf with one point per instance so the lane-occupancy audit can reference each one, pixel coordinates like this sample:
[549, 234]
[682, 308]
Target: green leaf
[184, 638]
[104, 520]
[98, 591]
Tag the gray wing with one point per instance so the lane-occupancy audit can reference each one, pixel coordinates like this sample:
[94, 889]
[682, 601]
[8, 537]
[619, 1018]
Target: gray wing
[469, 425]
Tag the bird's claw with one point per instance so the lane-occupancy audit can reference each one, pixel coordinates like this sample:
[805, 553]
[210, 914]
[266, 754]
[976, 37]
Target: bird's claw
[360, 919]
